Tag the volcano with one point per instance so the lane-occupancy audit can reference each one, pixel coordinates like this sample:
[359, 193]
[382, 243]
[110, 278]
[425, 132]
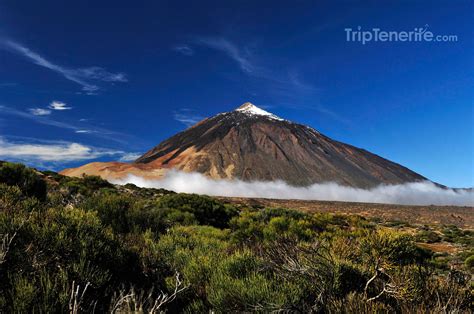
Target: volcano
[252, 144]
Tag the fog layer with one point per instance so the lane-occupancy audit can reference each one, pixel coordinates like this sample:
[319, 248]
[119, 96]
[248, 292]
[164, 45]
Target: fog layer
[419, 193]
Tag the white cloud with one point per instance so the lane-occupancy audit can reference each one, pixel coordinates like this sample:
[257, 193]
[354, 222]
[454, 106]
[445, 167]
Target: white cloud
[58, 105]
[81, 76]
[39, 111]
[58, 152]
[55, 151]
[100, 74]
[187, 117]
[419, 193]
[55, 105]
[96, 131]
[84, 131]
[231, 50]
[249, 63]
[130, 157]
[286, 85]
[39, 119]
[184, 50]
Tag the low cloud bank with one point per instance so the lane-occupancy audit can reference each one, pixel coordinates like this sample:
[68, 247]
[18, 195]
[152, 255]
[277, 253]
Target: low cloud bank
[419, 193]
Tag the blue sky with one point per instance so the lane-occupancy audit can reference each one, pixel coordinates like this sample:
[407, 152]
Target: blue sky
[83, 82]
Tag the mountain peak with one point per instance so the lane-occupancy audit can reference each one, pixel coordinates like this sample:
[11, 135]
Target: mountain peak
[246, 105]
[252, 110]
[251, 144]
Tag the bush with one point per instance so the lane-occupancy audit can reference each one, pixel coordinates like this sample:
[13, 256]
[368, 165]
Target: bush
[207, 211]
[455, 235]
[348, 278]
[86, 186]
[273, 223]
[428, 236]
[126, 214]
[256, 292]
[55, 248]
[112, 210]
[143, 215]
[393, 248]
[129, 246]
[28, 180]
[469, 262]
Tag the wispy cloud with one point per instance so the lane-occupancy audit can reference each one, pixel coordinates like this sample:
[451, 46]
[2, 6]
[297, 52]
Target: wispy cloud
[187, 117]
[184, 50]
[39, 111]
[332, 114]
[52, 152]
[93, 130]
[284, 84]
[251, 65]
[55, 105]
[249, 62]
[130, 157]
[242, 58]
[294, 77]
[85, 77]
[58, 105]
[39, 119]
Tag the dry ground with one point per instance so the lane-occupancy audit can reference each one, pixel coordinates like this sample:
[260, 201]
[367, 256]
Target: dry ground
[463, 217]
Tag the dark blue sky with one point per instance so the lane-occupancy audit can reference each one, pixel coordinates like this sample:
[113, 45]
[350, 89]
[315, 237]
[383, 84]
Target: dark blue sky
[124, 77]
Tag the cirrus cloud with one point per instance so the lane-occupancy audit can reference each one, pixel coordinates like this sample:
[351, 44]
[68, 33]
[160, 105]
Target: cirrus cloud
[85, 77]
[187, 117]
[39, 111]
[184, 50]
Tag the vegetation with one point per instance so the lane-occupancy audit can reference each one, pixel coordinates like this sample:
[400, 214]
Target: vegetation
[27, 180]
[83, 245]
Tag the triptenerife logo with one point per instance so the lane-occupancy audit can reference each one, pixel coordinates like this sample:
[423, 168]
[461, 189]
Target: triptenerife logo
[421, 34]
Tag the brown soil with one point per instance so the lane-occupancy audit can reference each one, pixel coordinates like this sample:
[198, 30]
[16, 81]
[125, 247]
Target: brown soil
[442, 247]
[462, 217]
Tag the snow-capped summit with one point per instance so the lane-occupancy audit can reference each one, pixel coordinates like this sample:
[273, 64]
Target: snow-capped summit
[251, 109]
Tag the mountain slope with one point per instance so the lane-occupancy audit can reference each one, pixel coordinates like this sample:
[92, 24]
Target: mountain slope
[252, 144]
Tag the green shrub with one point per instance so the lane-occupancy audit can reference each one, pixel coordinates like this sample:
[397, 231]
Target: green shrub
[28, 180]
[86, 185]
[348, 278]
[55, 247]
[253, 293]
[456, 235]
[96, 182]
[273, 223]
[112, 210]
[128, 243]
[469, 262]
[428, 236]
[207, 210]
[393, 247]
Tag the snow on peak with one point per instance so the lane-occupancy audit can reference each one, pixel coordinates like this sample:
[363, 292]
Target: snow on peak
[251, 109]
